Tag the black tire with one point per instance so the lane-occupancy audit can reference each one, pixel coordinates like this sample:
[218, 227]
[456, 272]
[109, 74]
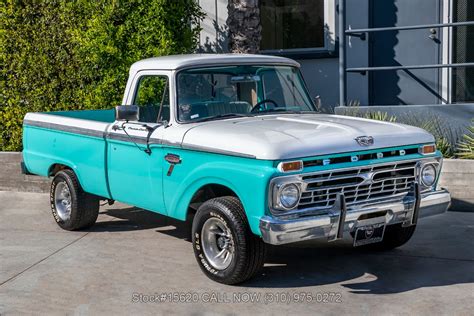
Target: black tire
[248, 249]
[394, 236]
[84, 207]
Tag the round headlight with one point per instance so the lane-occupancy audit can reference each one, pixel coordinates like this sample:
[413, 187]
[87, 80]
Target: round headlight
[428, 175]
[289, 195]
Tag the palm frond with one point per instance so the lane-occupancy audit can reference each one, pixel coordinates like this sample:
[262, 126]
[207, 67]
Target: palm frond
[465, 148]
[380, 116]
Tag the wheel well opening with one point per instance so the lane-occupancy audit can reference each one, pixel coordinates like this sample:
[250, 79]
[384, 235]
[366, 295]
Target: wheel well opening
[56, 168]
[205, 193]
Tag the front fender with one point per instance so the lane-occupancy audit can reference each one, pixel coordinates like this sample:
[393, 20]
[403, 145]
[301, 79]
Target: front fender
[247, 178]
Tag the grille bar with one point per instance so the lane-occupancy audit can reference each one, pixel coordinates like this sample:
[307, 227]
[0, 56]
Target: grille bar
[359, 185]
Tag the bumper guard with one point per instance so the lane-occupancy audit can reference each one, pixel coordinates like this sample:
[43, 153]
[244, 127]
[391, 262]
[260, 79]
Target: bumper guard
[340, 218]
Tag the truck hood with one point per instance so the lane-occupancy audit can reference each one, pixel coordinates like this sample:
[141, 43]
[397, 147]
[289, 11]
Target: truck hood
[288, 136]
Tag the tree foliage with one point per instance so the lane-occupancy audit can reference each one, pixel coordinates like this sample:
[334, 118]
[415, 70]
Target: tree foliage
[65, 55]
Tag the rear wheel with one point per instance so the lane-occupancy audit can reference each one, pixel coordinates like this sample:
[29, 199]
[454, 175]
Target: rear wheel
[225, 248]
[72, 208]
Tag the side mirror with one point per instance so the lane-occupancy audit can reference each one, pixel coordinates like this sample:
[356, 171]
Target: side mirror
[317, 102]
[127, 113]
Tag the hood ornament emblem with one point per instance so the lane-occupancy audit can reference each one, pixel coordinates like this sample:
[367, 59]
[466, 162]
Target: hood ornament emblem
[365, 140]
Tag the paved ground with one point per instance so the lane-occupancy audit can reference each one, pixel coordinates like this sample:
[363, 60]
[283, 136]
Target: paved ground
[131, 252]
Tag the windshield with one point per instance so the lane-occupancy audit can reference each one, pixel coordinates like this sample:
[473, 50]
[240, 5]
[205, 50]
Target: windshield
[246, 90]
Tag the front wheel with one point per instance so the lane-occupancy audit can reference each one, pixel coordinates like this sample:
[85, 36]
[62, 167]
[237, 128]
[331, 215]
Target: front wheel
[225, 248]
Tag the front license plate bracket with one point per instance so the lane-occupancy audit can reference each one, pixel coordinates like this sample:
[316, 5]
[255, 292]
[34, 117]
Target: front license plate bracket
[369, 234]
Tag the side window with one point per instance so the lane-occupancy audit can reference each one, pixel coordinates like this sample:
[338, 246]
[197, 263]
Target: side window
[284, 87]
[151, 92]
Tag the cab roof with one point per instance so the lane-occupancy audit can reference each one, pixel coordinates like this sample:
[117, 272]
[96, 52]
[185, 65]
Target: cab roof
[176, 62]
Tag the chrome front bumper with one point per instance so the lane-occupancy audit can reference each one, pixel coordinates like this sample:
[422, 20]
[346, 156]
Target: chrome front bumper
[340, 219]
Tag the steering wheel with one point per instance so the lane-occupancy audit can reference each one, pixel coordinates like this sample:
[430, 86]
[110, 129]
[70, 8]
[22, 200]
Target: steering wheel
[257, 106]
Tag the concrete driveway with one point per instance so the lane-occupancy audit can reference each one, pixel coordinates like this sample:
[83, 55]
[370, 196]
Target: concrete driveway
[137, 262]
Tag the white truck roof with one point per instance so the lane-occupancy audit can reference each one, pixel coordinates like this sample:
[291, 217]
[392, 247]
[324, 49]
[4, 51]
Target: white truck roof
[175, 62]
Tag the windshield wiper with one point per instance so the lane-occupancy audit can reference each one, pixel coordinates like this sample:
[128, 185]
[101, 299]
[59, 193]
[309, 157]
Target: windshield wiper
[220, 116]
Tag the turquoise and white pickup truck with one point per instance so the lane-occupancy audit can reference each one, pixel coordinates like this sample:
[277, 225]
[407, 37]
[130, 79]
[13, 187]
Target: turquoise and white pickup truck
[235, 144]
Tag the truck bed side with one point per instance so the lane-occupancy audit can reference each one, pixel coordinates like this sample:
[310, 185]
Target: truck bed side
[73, 139]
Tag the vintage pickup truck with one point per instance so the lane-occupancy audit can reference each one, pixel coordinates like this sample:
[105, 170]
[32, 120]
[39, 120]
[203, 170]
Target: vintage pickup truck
[235, 144]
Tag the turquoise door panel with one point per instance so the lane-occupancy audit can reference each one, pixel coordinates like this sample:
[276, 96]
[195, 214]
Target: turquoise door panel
[134, 176]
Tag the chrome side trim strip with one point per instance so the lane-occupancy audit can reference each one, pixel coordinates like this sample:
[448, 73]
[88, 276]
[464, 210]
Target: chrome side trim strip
[125, 138]
[89, 132]
[217, 151]
[65, 128]
[132, 138]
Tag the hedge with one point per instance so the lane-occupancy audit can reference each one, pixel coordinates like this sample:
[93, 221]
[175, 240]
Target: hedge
[65, 55]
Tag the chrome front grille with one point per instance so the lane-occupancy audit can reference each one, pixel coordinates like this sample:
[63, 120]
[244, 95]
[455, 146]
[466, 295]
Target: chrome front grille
[359, 185]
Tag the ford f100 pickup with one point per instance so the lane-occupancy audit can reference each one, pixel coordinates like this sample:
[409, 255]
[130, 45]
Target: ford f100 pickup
[235, 144]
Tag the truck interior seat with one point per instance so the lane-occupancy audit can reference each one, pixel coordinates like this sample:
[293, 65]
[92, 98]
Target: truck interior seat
[219, 108]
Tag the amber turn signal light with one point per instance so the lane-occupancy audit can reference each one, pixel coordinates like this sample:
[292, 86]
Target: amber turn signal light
[428, 149]
[290, 166]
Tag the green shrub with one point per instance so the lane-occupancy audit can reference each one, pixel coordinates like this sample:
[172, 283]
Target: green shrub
[65, 55]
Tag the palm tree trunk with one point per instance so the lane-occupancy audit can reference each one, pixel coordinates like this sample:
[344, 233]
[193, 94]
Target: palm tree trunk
[244, 26]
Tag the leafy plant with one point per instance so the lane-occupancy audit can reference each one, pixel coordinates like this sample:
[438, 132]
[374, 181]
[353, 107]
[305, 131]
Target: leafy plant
[446, 136]
[65, 55]
[445, 147]
[380, 116]
[466, 146]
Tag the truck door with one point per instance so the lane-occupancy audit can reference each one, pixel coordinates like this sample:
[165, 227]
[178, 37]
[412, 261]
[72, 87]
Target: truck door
[135, 175]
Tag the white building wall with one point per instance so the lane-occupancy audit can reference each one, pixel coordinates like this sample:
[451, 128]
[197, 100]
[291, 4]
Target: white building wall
[213, 37]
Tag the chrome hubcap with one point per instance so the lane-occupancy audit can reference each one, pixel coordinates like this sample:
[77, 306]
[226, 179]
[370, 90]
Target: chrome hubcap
[62, 201]
[217, 243]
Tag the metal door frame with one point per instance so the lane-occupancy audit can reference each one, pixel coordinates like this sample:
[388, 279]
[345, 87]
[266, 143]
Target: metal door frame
[362, 35]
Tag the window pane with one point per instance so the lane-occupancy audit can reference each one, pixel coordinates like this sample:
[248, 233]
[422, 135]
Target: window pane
[463, 52]
[289, 24]
[150, 93]
[284, 86]
[216, 91]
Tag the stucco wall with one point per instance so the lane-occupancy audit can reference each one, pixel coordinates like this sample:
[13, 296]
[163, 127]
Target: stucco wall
[458, 178]
[213, 37]
[11, 178]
